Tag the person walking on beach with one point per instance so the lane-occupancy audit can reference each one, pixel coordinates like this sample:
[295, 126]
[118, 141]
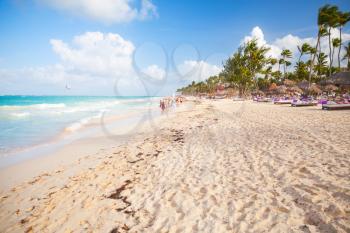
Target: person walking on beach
[162, 104]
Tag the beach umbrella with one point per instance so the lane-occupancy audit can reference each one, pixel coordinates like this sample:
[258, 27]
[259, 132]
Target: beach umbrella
[281, 89]
[288, 82]
[331, 87]
[315, 89]
[296, 89]
[258, 92]
[273, 87]
[341, 78]
[303, 85]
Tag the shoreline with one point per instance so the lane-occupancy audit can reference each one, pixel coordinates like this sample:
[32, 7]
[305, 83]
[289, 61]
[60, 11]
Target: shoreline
[217, 166]
[65, 136]
[24, 124]
[64, 152]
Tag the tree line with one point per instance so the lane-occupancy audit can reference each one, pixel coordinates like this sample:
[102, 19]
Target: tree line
[249, 68]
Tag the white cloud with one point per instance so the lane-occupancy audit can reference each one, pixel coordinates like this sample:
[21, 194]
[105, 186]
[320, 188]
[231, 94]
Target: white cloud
[197, 70]
[107, 11]
[257, 34]
[291, 42]
[96, 53]
[92, 61]
[154, 72]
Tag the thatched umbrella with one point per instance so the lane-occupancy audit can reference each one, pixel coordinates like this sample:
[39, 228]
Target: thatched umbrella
[288, 82]
[273, 87]
[331, 87]
[304, 85]
[258, 92]
[281, 89]
[341, 78]
[314, 89]
[296, 89]
[231, 91]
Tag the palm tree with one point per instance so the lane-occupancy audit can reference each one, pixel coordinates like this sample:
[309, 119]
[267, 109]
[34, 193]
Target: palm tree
[272, 61]
[321, 67]
[347, 54]
[322, 31]
[286, 53]
[281, 61]
[343, 18]
[287, 63]
[335, 44]
[312, 51]
[329, 16]
[303, 50]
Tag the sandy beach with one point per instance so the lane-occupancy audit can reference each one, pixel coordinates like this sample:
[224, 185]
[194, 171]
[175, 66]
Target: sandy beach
[213, 166]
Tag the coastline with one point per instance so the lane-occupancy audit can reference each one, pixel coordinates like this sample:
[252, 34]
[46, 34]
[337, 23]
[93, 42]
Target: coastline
[95, 126]
[68, 147]
[217, 166]
[30, 122]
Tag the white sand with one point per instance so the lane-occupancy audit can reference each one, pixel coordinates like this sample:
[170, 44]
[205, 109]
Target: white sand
[222, 166]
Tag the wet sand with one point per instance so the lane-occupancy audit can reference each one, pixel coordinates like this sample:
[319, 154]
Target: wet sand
[214, 166]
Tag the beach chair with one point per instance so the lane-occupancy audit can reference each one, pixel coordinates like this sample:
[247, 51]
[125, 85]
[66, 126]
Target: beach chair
[336, 106]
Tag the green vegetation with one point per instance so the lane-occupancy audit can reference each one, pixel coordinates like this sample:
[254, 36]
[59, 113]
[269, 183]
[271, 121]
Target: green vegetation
[249, 68]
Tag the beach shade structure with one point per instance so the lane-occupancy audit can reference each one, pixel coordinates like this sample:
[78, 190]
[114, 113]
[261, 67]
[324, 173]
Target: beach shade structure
[314, 89]
[340, 79]
[273, 87]
[289, 83]
[258, 92]
[331, 88]
[295, 89]
[304, 85]
[281, 89]
[232, 91]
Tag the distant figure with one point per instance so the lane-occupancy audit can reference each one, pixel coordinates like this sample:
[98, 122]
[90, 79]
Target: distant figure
[68, 87]
[162, 104]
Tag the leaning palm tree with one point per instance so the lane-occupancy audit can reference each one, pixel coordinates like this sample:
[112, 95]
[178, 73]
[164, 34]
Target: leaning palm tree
[343, 18]
[303, 49]
[312, 51]
[321, 66]
[328, 16]
[322, 31]
[331, 22]
[272, 61]
[286, 53]
[287, 63]
[281, 61]
[347, 55]
[335, 44]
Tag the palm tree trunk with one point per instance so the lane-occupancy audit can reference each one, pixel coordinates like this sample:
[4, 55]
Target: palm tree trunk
[340, 28]
[279, 66]
[330, 51]
[333, 54]
[313, 58]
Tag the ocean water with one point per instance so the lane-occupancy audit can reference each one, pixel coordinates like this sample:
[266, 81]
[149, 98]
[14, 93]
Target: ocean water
[26, 121]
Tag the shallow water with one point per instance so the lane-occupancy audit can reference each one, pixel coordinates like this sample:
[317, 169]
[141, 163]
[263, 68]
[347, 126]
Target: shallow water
[26, 121]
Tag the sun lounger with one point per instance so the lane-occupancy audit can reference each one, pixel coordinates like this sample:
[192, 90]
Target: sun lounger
[335, 106]
[264, 100]
[283, 102]
[303, 104]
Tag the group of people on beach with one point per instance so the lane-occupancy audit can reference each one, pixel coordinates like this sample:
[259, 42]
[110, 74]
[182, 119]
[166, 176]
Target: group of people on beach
[170, 102]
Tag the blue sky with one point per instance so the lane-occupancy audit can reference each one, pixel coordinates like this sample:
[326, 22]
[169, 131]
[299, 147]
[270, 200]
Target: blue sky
[165, 35]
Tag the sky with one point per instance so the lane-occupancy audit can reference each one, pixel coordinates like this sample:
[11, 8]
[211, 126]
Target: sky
[139, 47]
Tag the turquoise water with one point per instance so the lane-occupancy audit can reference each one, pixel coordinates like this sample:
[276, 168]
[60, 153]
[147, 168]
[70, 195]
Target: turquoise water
[30, 120]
